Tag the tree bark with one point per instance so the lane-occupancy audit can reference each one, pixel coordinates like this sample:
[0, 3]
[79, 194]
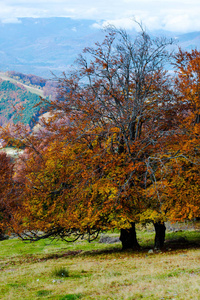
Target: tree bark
[160, 235]
[2, 236]
[129, 239]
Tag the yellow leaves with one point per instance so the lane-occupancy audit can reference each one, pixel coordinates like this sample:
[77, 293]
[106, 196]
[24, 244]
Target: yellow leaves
[106, 189]
[197, 130]
[152, 215]
[122, 222]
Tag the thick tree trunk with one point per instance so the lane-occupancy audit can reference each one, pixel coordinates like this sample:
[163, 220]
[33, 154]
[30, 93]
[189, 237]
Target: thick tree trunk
[2, 236]
[160, 235]
[129, 239]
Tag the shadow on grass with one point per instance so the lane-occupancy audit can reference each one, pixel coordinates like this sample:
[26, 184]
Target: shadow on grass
[173, 243]
[180, 243]
[61, 255]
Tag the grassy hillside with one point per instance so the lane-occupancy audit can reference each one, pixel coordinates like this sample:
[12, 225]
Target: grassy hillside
[57, 270]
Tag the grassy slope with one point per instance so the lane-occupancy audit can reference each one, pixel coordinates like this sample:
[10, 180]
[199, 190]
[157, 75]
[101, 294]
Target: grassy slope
[100, 271]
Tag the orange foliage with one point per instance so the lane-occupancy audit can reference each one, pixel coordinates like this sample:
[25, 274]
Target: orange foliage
[6, 189]
[126, 151]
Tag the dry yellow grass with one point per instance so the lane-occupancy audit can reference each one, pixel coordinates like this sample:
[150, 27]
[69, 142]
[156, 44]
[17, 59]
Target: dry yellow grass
[108, 274]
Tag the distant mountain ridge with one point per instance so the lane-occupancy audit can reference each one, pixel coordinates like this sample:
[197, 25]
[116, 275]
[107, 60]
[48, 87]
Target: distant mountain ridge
[43, 46]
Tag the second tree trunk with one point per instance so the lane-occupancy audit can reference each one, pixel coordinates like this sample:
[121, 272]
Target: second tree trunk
[160, 235]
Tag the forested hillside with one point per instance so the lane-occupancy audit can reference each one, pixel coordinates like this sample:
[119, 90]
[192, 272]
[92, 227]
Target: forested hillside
[14, 98]
[20, 93]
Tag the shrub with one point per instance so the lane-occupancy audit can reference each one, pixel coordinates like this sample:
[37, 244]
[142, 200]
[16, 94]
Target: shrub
[60, 272]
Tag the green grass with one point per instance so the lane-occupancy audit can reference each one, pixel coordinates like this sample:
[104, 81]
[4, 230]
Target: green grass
[43, 293]
[99, 271]
[71, 297]
[60, 272]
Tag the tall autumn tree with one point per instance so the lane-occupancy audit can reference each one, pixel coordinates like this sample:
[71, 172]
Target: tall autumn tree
[122, 90]
[96, 171]
[118, 101]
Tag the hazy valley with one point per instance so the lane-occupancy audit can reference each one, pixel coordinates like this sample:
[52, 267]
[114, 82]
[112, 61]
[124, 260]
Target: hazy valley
[50, 45]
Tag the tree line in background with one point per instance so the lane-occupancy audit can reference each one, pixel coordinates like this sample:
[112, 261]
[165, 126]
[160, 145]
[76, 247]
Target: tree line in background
[27, 78]
[48, 86]
[120, 145]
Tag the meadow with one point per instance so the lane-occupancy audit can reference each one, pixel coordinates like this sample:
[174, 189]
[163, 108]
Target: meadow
[53, 269]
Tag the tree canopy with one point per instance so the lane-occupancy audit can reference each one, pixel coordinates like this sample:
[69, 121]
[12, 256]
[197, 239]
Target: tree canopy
[120, 144]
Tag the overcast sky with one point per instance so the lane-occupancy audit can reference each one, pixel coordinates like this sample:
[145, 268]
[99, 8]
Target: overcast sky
[173, 15]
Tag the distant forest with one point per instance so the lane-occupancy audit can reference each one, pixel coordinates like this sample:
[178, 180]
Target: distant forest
[16, 103]
[15, 99]
[27, 78]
